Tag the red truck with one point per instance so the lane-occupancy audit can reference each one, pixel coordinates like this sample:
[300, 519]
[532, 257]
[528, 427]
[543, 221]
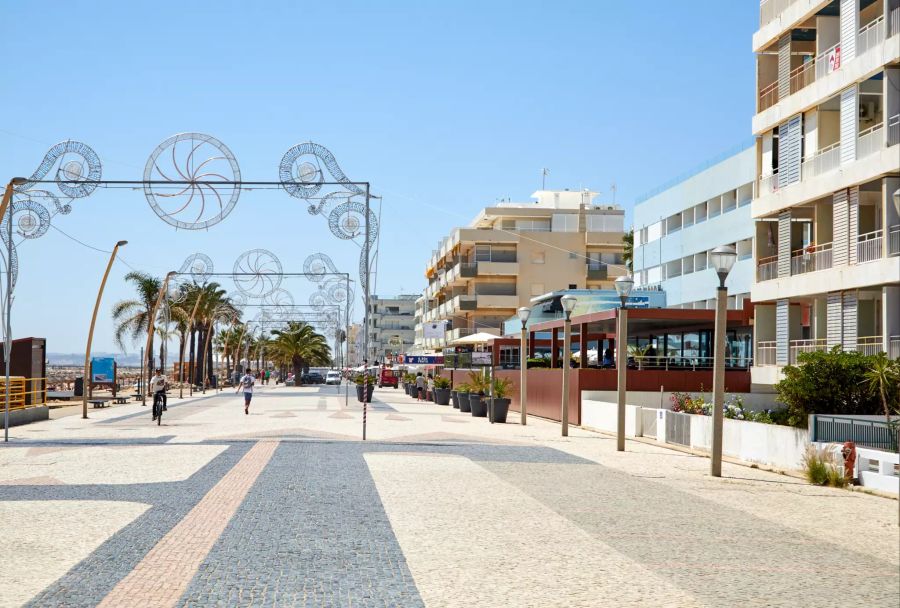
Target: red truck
[388, 378]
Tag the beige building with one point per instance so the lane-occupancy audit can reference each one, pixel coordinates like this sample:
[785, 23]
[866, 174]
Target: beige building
[510, 253]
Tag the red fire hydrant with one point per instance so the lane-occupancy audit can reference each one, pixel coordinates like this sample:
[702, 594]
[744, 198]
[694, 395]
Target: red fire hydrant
[849, 454]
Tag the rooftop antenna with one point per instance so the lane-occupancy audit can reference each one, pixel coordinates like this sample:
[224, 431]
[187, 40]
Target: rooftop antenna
[612, 188]
[544, 173]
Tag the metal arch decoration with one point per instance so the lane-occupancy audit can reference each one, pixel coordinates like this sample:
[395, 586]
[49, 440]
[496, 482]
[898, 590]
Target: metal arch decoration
[197, 201]
[199, 266]
[301, 170]
[257, 273]
[317, 266]
[75, 168]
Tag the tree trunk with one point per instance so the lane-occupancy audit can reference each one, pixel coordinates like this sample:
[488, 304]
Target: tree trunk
[181, 357]
[191, 367]
[209, 357]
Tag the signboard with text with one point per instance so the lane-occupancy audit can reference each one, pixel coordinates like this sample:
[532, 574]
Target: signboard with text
[103, 370]
[420, 359]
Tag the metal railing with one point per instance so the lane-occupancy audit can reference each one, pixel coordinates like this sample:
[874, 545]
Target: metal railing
[868, 246]
[770, 9]
[870, 345]
[767, 269]
[895, 22]
[768, 96]
[803, 75]
[894, 347]
[870, 35]
[24, 392]
[796, 347]
[811, 258]
[893, 130]
[875, 434]
[825, 160]
[824, 65]
[870, 141]
[894, 240]
[767, 184]
[765, 353]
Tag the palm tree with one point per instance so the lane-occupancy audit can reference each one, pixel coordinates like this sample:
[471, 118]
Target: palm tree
[883, 378]
[299, 346]
[628, 249]
[132, 316]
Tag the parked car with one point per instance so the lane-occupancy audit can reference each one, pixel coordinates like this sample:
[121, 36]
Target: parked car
[388, 378]
[333, 377]
[312, 378]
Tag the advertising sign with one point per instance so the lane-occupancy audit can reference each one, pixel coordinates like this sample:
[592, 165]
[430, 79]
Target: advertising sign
[834, 59]
[434, 330]
[103, 370]
[420, 359]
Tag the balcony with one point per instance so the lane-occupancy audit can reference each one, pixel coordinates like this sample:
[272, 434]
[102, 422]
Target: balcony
[498, 268]
[870, 345]
[497, 301]
[824, 160]
[765, 353]
[468, 270]
[768, 96]
[894, 240]
[767, 269]
[796, 347]
[871, 35]
[870, 141]
[894, 347]
[810, 259]
[597, 271]
[893, 133]
[869, 246]
[769, 10]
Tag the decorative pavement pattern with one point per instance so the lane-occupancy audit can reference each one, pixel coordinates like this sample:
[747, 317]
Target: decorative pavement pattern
[287, 507]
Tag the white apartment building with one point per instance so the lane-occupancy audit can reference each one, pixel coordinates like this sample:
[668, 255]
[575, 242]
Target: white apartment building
[679, 223]
[480, 274]
[391, 325]
[827, 246]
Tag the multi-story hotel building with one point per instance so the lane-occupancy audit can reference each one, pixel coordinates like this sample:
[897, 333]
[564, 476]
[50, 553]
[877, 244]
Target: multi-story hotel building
[827, 242]
[679, 223]
[512, 252]
[391, 325]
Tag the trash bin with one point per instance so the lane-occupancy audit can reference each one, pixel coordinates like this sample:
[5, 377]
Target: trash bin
[79, 386]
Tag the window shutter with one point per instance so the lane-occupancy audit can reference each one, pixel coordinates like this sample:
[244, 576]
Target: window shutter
[834, 317]
[840, 224]
[784, 65]
[782, 336]
[784, 244]
[849, 124]
[849, 321]
[849, 28]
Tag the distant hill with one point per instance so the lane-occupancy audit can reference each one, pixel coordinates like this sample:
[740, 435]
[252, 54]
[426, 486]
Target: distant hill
[122, 359]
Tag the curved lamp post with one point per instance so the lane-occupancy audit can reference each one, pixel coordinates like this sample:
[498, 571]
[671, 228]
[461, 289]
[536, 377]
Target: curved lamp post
[523, 314]
[568, 303]
[722, 259]
[624, 285]
[7, 327]
[87, 351]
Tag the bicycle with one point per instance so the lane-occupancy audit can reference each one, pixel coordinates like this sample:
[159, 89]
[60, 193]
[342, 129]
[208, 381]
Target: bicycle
[158, 407]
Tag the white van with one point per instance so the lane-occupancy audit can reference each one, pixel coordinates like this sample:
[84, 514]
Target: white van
[333, 377]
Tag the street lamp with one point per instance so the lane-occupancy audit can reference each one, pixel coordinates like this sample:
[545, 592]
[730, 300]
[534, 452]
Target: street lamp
[722, 259]
[87, 377]
[624, 285]
[568, 303]
[523, 314]
[151, 328]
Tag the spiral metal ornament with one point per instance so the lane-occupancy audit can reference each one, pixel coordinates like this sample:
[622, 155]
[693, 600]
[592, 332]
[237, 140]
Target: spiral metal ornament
[75, 166]
[302, 173]
[199, 266]
[201, 171]
[257, 273]
[317, 266]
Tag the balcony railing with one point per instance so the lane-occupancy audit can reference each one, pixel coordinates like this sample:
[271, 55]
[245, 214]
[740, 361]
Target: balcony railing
[803, 75]
[893, 130]
[894, 240]
[810, 259]
[870, 345]
[894, 347]
[768, 96]
[768, 183]
[828, 61]
[870, 35]
[765, 353]
[895, 22]
[468, 269]
[825, 160]
[870, 141]
[770, 9]
[868, 246]
[767, 269]
[805, 346]
[597, 271]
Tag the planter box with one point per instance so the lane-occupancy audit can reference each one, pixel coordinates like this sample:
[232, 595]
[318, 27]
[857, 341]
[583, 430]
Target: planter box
[454, 398]
[464, 402]
[499, 410]
[368, 395]
[442, 396]
[478, 406]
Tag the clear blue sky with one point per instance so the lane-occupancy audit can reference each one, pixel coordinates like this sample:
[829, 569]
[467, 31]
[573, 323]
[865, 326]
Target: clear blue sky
[444, 107]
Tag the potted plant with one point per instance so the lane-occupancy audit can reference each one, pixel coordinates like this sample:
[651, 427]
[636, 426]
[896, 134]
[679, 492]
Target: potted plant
[462, 393]
[454, 397]
[500, 408]
[364, 384]
[477, 404]
[441, 390]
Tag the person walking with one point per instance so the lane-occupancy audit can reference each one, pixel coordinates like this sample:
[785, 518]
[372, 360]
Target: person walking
[246, 384]
[268, 375]
[429, 396]
[420, 387]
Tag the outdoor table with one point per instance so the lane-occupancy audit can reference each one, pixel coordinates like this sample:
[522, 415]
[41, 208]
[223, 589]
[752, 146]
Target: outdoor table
[99, 402]
[121, 400]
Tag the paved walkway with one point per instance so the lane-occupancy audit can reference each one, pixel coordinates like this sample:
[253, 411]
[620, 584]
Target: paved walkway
[287, 507]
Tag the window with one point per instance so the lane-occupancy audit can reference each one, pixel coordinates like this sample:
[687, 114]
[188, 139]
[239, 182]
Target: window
[573, 286]
[537, 289]
[607, 223]
[564, 222]
[533, 225]
[538, 257]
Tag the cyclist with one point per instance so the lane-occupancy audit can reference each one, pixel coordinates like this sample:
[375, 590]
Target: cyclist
[158, 384]
[246, 384]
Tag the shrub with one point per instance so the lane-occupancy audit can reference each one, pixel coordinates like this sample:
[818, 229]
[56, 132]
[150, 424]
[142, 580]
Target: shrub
[463, 388]
[537, 362]
[828, 383]
[441, 382]
[822, 467]
[477, 382]
[501, 388]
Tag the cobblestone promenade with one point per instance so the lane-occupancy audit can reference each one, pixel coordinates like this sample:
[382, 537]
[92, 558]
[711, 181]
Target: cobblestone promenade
[288, 507]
